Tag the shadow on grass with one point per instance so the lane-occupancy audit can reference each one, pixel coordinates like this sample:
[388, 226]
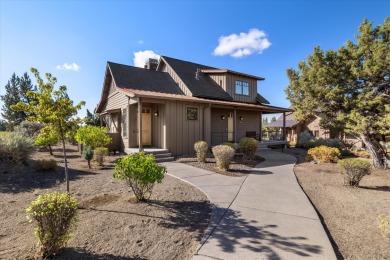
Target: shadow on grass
[27, 181]
[80, 253]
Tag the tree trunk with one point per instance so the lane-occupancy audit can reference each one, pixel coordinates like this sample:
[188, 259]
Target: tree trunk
[65, 160]
[89, 164]
[376, 151]
[50, 150]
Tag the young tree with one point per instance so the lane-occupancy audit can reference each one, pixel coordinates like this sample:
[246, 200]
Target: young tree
[350, 87]
[92, 136]
[92, 119]
[273, 119]
[52, 108]
[15, 92]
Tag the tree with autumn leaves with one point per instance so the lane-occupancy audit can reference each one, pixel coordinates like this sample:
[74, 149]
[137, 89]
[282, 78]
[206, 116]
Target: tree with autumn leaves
[350, 87]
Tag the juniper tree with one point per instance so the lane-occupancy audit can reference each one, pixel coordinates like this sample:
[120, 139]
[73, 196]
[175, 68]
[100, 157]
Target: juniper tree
[350, 87]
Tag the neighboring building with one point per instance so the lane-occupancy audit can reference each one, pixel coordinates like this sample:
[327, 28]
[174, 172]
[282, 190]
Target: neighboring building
[171, 104]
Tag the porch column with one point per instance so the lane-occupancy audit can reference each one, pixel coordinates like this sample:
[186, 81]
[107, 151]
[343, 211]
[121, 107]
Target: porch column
[261, 126]
[284, 126]
[235, 125]
[139, 124]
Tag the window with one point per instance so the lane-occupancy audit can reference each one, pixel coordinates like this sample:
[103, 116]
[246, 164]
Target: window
[124, 122]
[242, 87]
[192, 113]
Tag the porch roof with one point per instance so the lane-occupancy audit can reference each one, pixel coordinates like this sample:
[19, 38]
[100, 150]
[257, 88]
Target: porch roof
[159, 95]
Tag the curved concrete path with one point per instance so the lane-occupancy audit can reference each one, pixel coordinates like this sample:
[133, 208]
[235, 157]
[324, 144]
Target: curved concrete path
[264, 215]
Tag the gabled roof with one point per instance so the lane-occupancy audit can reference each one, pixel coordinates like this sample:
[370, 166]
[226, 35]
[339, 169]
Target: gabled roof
[202, 86]
[217, 71]
[290, 122]
[260, 99]
[143, 79]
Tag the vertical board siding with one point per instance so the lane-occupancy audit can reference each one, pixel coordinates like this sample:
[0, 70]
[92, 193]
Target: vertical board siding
[133, 125]
[207, 125]
[219, 127]
[157, 125]
[251, 122]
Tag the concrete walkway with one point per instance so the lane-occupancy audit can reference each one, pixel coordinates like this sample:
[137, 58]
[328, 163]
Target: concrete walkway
[264, 215]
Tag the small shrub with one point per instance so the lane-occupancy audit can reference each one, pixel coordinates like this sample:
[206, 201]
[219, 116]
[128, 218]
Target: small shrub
[87, 155]
[248, 147]
[92, 136]
[353, 170]
[324, 154]
[232, 145]
[29, 129]
[223, 156]
[304, 137]
[45, 165]
[384, 225]
[141, 172]
[99, 154]
[55, 217]
[361, 154]
[201, 148]
[15, 148]
[336, 143]
[292, 144]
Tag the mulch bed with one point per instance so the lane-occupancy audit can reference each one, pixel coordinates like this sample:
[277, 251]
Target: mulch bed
[239, 167]
[111, 225]
[349, 214]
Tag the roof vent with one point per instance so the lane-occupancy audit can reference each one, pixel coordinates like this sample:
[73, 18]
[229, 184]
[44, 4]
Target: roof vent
[197, 73]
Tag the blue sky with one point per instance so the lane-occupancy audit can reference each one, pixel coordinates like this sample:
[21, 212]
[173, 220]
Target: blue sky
[74, 39]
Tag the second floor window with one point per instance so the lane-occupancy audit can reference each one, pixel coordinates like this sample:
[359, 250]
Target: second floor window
[242, 87]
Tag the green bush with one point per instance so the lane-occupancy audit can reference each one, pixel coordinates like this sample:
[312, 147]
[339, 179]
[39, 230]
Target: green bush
[141, 172]
[384, 225]
[353, 170]
[87, 155]
[292, 144]
[45, 165]
[29, 129]
[232, 145]
[99, 154]
[361, 154]
[55, 217]
[248, 147]
[304, 138]
[92, 136]
[223, 156]
[15, 148]
[201, 148]
[324, 154]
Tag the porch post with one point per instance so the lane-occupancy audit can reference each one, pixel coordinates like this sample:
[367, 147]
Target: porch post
[284, 126]
[261, 126]
[139, 124]
[235, 125]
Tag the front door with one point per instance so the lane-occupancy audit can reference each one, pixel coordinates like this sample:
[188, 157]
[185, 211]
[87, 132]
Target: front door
[146, 126]
[230, 128]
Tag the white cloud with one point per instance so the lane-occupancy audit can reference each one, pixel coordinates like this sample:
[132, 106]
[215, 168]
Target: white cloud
[243, 44]
[140, 42]
[140, 57]
[73, 66]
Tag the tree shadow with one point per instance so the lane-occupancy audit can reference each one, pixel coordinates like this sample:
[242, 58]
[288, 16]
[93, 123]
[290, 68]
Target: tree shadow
[377, 188]
[81, 253]
[257, 171]
[234, 233]
[27, 181]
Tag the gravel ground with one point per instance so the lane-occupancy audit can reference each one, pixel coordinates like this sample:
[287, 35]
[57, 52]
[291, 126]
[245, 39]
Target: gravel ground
[350, 214]
[110, 226]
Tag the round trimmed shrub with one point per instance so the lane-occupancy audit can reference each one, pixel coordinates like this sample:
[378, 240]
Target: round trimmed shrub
[353, 170]
[223, 156]
[232, 145]
[324, 154]
[55, 217]
[248, 147]
[141, 172]
[201, 148]
[99, 154]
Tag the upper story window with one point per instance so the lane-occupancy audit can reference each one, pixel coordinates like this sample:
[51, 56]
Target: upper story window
[242, 87]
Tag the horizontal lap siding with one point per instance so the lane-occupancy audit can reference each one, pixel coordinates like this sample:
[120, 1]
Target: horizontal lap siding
[117, 100]
[181, 133]
[250, 122]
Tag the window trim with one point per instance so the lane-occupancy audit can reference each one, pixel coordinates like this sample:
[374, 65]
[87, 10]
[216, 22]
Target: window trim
[242, 85]
[197, 113]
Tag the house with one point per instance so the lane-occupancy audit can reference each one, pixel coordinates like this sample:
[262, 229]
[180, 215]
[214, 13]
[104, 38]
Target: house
[171, 104]
[294, 128]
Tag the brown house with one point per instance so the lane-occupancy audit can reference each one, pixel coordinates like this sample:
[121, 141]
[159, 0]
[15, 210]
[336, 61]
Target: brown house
[171, 104]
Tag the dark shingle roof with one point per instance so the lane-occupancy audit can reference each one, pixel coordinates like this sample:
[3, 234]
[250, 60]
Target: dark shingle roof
[143, 79]
[290, 122]
[204, 86]
[260, 99]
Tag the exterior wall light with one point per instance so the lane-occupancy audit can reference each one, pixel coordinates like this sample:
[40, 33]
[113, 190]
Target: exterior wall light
[156, 113]
[223, 117]
[241, 118]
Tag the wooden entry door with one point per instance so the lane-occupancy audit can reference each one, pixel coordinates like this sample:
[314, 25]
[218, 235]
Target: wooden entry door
[230, 128]
[146, 126]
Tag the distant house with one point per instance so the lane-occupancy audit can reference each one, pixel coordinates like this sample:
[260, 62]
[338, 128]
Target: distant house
[294, 128]
[171, 104]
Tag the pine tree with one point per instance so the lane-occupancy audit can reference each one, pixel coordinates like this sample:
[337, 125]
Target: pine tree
[92, 119]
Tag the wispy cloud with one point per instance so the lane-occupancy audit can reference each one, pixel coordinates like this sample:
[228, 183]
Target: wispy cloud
[66, 66]
[140, 42]
[243, 44]
[140, 57]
